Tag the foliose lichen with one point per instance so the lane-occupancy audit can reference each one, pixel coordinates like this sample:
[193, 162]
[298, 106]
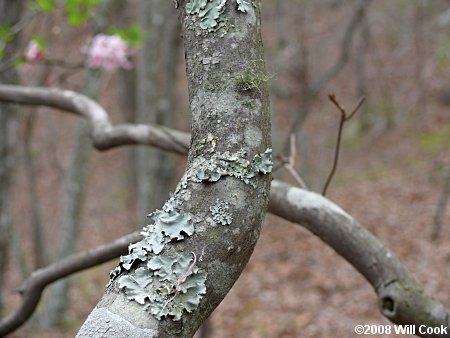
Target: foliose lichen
[168, 225]
[209, 13]
[220, 212]
[166, 285]
[235, 165]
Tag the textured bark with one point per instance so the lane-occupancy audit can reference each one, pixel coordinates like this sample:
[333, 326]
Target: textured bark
[223, 251]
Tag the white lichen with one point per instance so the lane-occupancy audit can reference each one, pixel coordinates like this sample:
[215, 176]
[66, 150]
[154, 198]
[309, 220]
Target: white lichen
[209, 13]
[220, 212]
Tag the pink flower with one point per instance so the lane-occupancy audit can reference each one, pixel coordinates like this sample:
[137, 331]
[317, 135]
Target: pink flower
[33, 52]
[108, 52]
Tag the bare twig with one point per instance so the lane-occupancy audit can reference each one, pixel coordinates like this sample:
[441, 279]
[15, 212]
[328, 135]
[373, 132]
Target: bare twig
[344, 118]
[314, 89]
[290, 164]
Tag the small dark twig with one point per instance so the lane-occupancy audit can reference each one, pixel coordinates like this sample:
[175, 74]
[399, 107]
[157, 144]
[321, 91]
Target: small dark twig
[344, 118]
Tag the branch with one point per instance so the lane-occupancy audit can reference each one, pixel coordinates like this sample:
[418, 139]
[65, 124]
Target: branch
[105, 136]
[401, 299]
[32, 288]
[344, 55]
[344, 118]
[290, 164]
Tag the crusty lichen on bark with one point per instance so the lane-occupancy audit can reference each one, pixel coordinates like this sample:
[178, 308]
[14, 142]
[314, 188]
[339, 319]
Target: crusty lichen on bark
[172, 280]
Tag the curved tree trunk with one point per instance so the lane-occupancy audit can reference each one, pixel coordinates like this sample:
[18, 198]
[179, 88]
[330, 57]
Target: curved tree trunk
[202, 239]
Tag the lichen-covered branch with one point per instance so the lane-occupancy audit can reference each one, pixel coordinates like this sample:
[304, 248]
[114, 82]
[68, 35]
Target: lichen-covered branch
[171, 280]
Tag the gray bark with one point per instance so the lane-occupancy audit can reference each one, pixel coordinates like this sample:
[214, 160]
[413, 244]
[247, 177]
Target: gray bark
[10, 11]
[222, 112]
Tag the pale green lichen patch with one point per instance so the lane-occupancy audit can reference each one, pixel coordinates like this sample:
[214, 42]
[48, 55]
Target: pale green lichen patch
[243, 5]
[168, 225]
[235, 165]
[220, 212]
[135, 285]
[167, 286]
[253, 78]
[209, 13]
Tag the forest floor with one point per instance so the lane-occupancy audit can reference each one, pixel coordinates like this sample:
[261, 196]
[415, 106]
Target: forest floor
[294, 285]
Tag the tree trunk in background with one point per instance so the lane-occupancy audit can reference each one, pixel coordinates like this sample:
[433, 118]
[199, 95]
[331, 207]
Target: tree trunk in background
[155, 171]
[40, 254]
[365, 116]
[10, 11]
[73, 200]
[421, 47]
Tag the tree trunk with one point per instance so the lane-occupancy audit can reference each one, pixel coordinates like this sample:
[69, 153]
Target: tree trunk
[155, 85]
[73, 200]
[202, 239]
[10, 11]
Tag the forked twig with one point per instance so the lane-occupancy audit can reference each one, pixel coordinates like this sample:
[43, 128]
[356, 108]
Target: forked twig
[290, 163]
[344, 118]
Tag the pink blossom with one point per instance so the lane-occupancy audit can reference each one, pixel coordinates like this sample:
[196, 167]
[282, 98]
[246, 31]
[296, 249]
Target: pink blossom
[108, 52]
[33, 52]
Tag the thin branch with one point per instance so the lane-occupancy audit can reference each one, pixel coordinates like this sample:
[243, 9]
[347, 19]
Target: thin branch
[395, 287]
[32, 288]
[313, 90]
[290, 164]
[344, 118]
[105, 135]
